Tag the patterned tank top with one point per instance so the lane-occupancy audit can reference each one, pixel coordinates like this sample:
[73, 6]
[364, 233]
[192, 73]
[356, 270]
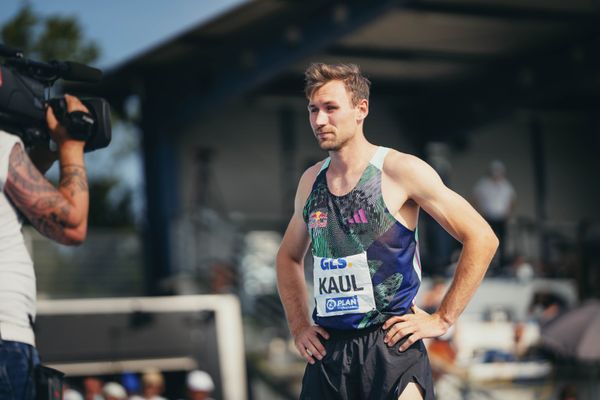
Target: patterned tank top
[366, 263]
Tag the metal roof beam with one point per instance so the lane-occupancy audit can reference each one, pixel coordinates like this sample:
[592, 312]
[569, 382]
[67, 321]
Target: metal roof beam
[410, 55]
[287, 84]
[295, 35]
[508, 12]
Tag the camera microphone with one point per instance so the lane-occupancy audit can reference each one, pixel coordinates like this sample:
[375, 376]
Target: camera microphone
[74, 71]
[6, 51]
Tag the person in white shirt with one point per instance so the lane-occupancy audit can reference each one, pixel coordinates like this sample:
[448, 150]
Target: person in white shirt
[495, 198]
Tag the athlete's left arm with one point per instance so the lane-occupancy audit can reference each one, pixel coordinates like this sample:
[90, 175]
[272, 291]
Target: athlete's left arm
[423, 185]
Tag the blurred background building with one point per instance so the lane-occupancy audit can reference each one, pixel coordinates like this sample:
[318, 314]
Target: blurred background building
[225, 136]
[223, 132]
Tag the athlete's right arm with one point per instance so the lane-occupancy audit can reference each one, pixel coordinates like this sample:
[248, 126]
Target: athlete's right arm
[290, 276]
[58, 213]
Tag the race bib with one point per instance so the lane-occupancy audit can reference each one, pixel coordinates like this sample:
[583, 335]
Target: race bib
[343, 285]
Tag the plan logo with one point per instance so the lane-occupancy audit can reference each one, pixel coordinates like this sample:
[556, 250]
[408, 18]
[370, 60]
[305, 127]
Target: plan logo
[318, 219]
[341, 304]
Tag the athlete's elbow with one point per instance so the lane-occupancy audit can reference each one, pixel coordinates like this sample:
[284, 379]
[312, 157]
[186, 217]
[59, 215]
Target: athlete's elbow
[495, 241]
[284, 260]
[490, 241]
[280, 259]
[484, 240]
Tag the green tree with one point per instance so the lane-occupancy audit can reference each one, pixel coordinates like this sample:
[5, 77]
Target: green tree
[48, 38]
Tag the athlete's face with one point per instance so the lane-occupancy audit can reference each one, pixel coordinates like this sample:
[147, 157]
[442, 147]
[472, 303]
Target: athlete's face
[333, 117]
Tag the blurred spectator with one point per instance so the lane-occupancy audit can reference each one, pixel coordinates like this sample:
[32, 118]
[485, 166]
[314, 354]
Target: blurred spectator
[450, 269]
[441, 350]
[131, 383]
[92, 388]
[521, 269]
[438, 243]
[518, 330]
[436, 155]
[153, 385]
[70, 393]
[199, 385]
[568, 392]
[494, 198]
[527, 342]
[114, 391]
[545, 307]
[222, 278]
[442, 356]
[432, 298]
[498, 313]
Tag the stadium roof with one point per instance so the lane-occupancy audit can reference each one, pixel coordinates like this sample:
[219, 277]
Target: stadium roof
[457, 61]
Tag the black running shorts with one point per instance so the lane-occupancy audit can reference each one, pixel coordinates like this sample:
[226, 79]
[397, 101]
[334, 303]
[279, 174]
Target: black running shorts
[360, 366]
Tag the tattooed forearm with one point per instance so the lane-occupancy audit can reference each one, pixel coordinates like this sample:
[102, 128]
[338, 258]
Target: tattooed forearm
[51, 226]
[17, 156]
[21, 159]
[53, 212]
[24, 174]
[49, 213]
[74, 178]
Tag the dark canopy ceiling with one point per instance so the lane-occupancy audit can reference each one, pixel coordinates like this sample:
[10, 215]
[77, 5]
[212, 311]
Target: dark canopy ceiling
[457, 61]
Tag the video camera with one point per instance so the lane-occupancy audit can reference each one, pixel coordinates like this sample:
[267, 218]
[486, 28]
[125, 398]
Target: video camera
[24, 94]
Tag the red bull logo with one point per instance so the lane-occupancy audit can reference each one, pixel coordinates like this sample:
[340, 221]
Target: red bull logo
[318, 219]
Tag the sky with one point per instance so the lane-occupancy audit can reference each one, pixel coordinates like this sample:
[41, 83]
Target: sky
[124, 29]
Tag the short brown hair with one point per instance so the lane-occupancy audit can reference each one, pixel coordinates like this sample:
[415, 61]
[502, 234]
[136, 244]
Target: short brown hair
[318, 74]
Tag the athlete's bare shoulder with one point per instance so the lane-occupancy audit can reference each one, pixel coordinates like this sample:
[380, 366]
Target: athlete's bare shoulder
[309, 176]
[417, 178]
[306, 182]
[403, 166]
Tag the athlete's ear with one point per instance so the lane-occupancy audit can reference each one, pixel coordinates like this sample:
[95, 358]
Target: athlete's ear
[362, 109]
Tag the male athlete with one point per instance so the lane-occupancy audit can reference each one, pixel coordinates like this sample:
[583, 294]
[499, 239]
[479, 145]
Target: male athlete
[358, 209]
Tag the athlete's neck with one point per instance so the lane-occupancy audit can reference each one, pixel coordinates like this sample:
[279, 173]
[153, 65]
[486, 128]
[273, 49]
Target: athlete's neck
[352, 157]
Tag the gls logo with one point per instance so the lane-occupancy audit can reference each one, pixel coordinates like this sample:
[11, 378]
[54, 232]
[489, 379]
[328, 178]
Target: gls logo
[334, 263]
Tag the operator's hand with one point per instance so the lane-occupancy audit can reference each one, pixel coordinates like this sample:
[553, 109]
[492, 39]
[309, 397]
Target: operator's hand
[309, 344]
[58, 132]
[416, 326]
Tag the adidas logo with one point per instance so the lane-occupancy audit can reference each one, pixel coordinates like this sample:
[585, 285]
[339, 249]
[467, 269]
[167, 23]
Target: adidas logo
[359, 217]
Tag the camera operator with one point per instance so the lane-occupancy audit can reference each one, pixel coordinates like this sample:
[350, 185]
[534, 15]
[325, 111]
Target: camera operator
[60, 213]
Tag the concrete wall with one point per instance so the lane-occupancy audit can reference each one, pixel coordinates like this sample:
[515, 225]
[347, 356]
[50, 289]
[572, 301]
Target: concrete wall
[248, 164]
[243, 147]
[248, 161]
[572, 165]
